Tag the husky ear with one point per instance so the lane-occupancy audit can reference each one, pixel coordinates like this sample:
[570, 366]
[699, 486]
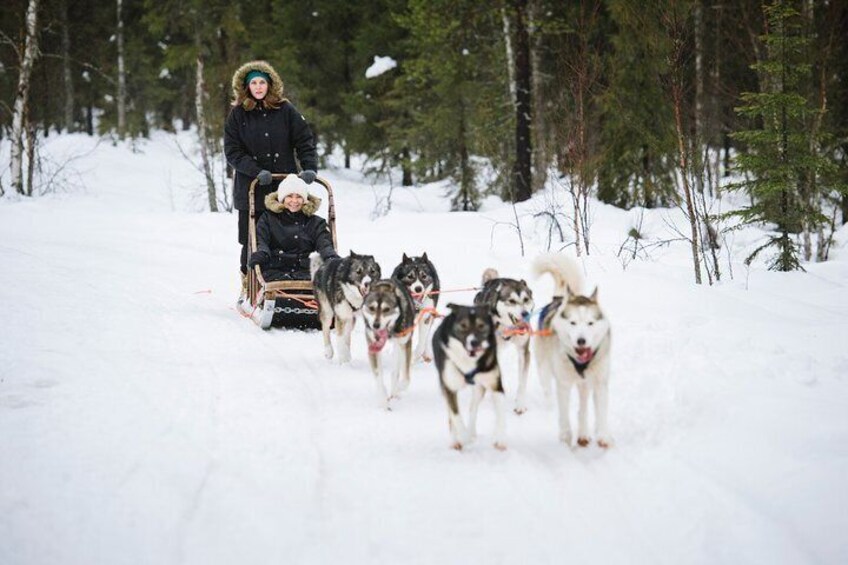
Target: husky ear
[353, 253]
[453, 307]
[405, 259]
[568, 292]
[424, 256]
[594, 297]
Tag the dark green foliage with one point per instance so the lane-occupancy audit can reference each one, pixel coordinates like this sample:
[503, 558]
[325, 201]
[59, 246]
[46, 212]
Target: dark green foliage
[601, 109]
[637, 124]
[783, 149]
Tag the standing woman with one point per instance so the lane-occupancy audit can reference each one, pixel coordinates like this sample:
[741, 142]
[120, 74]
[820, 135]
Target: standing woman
[264, 134]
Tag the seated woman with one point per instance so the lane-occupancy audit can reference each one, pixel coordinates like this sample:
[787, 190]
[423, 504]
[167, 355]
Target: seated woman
[289, 231]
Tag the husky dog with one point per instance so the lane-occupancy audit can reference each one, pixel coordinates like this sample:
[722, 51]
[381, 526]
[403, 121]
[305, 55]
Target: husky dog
[419, 276]
[510, 302]
[340, 286]
[576, 349]
[389, 314]
[465, 350]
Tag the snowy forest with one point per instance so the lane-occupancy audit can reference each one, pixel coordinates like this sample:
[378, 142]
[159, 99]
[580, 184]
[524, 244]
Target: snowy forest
[639, 105]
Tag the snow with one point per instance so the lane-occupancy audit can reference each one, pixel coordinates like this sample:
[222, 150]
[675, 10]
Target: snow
[144, 421]
[380, 66]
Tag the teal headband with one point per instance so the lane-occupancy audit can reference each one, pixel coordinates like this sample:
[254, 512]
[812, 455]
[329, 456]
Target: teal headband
[253, 74]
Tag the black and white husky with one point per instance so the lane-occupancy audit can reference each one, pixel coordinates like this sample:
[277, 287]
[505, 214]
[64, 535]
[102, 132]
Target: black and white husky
[389, 314]
[465, 351]
[340, 286]
[419, 276]
[576, 349]
[511, 302]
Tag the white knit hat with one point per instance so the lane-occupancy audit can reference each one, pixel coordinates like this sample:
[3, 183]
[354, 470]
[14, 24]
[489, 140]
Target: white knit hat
[292, 184]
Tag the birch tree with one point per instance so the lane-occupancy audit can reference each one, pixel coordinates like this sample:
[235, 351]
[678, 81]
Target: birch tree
[122, 75]
[21, 105]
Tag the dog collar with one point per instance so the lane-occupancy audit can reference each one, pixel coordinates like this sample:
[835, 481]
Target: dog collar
[469, 376]
[578, 366]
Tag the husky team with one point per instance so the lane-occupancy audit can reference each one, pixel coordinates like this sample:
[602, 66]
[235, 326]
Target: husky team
[571, 343]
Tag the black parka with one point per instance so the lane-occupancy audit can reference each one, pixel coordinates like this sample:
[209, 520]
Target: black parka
[289, 238]
[257, 138]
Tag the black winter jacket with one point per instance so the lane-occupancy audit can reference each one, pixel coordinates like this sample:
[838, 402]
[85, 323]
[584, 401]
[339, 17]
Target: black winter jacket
[289, 238]
[266, 139]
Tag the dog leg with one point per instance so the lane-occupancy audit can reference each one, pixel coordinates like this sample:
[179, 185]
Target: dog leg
[523, 370]
[326, 322]
[403, 351]
[563, 398]
[498, 401]
[477, 394]
[457, 427]
[377, 369]
[583, 414]
[344, 333]
[423, 350]
[601, 398]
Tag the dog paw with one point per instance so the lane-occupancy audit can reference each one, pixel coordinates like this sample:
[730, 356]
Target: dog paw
[520, 410]
[565, 437]
[605, 442]
[328, 352]
[426, 358]
[583, 441]
[500, 446]
[457, 446]
[344, 357]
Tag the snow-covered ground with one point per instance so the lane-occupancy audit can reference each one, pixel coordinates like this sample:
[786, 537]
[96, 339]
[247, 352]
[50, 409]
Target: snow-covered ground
[142, 420]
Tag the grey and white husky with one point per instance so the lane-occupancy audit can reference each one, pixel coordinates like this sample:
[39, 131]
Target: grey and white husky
[576, 349]
[419, 276]
[389, 314]
[465, 351]
[511, 302]
[340, 286]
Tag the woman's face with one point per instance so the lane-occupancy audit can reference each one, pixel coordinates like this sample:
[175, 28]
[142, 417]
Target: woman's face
[293, 202]
[258, 87]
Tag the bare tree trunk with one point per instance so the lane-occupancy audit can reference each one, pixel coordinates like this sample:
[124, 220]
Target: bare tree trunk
[122, 76]
[697, 166]
[510, 57]
[21, 104]
[523, 110]
[676, 34]
[67, 75]
[203, 138]
[583, 77]
[541, 151]
[717, 121]
[31, 141]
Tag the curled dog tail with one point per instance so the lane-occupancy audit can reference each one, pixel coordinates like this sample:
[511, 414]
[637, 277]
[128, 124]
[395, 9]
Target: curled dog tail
[565, 271]
[489, 275]
[315, 263]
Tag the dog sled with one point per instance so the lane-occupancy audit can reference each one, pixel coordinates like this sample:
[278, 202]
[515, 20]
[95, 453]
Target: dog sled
[288, 303]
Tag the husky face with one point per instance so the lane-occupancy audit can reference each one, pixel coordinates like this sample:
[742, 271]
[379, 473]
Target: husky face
[380, 311]
[362, 271]
[473, 328]
[580, 320]
[417, 274]
[514, 303]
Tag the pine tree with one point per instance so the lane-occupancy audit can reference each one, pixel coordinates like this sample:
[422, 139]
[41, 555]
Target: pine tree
[780, 158]
[637, 122]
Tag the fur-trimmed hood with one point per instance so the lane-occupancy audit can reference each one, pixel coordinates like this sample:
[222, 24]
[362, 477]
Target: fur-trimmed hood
[240, 90]
[309, 207]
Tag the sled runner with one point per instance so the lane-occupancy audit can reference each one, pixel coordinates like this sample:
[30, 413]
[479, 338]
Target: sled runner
[288, 303]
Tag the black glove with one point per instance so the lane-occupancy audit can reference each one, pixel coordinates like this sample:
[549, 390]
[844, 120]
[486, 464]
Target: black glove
[308, 176]
[264, 177]
[260, 258]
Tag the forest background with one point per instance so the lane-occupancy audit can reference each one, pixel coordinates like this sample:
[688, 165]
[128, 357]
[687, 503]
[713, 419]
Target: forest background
[635, 104]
